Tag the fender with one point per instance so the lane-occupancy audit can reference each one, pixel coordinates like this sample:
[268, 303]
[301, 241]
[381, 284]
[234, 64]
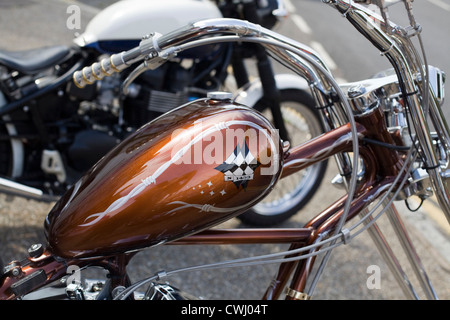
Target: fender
[253, 92]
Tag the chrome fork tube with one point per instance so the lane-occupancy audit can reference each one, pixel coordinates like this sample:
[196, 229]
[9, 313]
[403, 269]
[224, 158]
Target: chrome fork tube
[410, 251]
[390, 258]
[395, 46]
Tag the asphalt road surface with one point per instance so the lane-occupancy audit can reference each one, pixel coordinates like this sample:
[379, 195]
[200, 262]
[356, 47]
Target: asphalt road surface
[32, 23]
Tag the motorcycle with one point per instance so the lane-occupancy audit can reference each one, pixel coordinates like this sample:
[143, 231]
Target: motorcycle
[52, 132]
[216, 158]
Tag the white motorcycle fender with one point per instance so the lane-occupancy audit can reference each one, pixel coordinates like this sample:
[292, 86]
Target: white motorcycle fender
[132, 19]
[251, 94]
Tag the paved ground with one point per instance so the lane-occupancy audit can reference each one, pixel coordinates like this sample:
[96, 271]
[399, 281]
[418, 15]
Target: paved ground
[347, 272]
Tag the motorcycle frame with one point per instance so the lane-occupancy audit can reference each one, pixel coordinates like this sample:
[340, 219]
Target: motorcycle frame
[298, 158]
[384, 170]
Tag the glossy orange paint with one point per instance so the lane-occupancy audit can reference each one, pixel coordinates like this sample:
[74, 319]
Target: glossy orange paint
[170, 179]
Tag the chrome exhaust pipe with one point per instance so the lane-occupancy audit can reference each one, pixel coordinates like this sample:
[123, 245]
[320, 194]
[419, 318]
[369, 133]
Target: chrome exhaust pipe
[18, 189]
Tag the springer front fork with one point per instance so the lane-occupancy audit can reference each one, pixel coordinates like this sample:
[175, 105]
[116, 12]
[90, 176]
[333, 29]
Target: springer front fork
[382, 96]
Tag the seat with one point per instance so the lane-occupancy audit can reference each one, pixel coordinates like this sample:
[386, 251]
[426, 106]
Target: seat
[34, 60]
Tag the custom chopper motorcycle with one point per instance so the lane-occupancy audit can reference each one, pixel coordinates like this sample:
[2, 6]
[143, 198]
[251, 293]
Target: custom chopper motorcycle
[386, 133]
[51, 131]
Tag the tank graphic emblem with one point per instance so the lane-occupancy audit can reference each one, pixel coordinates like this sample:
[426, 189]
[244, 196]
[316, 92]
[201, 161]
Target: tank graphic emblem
[240, 166]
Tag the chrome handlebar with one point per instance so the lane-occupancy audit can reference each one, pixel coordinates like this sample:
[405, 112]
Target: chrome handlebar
[393, 41]
[155, 48]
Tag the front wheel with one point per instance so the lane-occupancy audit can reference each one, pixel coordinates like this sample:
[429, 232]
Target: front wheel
[302, 123]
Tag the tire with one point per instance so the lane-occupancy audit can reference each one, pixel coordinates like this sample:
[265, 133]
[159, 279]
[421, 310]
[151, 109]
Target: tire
[292, 193]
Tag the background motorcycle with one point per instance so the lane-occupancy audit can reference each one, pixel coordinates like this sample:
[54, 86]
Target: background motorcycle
[51, 131]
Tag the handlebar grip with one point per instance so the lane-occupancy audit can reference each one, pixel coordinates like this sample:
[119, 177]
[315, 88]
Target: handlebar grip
[148, 48]
[99, 70]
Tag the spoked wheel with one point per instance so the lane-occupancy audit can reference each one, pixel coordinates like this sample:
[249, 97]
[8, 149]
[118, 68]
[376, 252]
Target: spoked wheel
[303, 123]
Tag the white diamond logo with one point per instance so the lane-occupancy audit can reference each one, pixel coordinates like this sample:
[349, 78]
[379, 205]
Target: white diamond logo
[239, 167]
